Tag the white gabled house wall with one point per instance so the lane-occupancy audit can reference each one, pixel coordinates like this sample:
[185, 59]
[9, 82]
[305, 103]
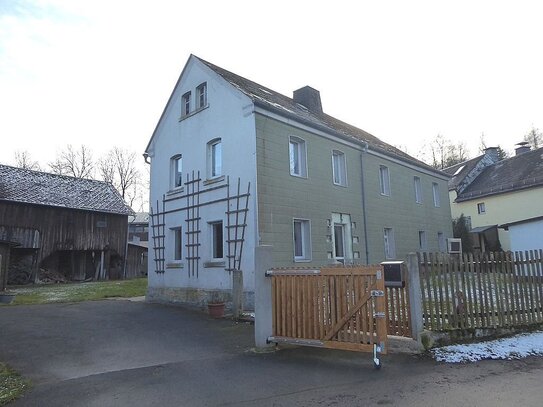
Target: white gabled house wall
[229, 115]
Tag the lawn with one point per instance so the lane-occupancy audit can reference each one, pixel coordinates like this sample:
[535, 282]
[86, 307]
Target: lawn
[76, 292]
[12, 385]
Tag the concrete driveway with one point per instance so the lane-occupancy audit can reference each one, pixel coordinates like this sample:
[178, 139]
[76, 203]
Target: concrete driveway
[122, 353]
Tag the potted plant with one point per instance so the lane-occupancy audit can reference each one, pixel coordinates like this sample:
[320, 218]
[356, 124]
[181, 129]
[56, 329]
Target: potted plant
[216, 306]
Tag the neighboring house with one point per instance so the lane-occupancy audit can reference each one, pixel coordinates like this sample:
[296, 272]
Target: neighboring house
[525, 234]
[491, 193]
[138, 243]
[234, 163]
[77, 227]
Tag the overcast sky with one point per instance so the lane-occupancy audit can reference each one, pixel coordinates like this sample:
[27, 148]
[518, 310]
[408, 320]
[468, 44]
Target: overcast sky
[100, 72]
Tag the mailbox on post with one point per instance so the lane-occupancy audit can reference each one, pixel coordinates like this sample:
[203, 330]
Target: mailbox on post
[394, 273]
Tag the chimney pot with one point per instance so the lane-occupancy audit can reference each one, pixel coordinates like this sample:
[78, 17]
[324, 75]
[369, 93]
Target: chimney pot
[492, 152]
[308, 97]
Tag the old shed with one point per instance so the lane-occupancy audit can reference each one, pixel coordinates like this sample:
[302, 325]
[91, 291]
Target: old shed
[71, 226]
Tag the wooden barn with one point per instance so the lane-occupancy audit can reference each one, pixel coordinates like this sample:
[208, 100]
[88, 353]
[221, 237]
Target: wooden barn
[70, 226]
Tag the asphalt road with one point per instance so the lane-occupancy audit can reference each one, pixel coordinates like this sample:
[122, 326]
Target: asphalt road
[122, 353]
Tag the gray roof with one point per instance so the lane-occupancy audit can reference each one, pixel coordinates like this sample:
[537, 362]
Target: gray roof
[285, 106]
[463, 169]
[41, 188]
[512, 174]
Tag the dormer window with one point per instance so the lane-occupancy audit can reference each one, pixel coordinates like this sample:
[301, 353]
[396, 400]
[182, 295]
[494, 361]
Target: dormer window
[201, 95]
[185, 104]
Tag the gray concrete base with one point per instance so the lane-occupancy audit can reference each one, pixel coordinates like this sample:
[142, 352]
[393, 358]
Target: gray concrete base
[196, 297]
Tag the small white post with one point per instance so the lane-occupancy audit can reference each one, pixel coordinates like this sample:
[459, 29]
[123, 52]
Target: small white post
[263, 297]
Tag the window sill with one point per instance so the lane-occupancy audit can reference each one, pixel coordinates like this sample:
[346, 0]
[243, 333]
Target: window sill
[175, 191]
[214, 264]
[298, 176]
[175, 265]
[340, 185]
[193, 112]
[302, 260]
[214, 180]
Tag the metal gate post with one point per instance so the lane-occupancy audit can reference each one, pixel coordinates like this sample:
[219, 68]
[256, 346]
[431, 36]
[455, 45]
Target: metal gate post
[263, 298]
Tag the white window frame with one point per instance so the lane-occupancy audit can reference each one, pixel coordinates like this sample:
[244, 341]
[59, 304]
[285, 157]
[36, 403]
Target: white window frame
[423, 240]
[390, 245]
[339, 168]
[305, 231]
[384, 180]
[185, 104]
[435, 193]
[174, 174]
[201, 93]
[214, 160]
[297, 145]
[341, 259]
[177, 240]
[213, 243]
[481, 208]
[418, 189]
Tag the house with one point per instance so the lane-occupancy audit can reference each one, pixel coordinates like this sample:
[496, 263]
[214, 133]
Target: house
[491, 193]
[76, 227]
[235, 165]
[138, 243]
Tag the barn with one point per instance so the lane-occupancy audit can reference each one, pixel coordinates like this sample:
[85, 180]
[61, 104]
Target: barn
[74, 227]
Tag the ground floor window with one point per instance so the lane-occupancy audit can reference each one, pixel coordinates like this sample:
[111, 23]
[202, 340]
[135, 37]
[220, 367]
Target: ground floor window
[302, 239]
[217, 240]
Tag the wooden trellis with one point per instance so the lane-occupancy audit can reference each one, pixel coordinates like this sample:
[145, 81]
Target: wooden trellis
[237, 208]
[158, 224]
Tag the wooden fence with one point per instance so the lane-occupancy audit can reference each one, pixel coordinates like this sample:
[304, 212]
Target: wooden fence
[334, 307]
[398, 311]
[483, 290]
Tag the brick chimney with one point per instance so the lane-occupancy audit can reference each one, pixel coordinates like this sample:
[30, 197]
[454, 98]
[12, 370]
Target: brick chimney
[308, 97]
[523, 147]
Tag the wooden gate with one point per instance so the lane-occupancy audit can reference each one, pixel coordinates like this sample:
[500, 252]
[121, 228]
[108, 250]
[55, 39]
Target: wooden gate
[332, 307]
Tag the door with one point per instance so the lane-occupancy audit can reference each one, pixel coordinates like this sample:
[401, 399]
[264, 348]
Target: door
[342, 238]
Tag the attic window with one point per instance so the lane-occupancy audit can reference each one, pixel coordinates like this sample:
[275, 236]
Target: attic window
[459, 170]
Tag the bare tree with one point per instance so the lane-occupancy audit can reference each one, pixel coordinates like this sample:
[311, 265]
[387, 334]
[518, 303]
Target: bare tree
[74, 162]
[444, 153]
[534, 137]
[119, 168]
[23, 160]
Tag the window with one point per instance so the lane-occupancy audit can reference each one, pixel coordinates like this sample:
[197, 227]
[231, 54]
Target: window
[422, 240]
[297, 155]
[339, 242]
[302, 240]
[176, 174]
[185, 104]
[384, 180]
[441, 241]
[481, 208]
[216, 240]
[177, 243]
[418, 190]
[339, 170]
[390, 247]
[201, 95]
[214, 158]
[435, 192]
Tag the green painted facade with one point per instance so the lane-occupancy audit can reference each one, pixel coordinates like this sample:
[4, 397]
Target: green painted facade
[283, 197]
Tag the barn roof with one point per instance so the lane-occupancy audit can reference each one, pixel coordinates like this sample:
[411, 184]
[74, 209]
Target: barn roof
[42, 188]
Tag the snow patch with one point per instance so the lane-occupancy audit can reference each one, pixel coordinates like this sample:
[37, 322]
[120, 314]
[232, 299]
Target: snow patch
[516, 347]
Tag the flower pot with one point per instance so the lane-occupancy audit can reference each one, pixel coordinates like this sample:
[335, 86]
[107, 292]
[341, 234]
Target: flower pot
[6, 298]
[216, 310]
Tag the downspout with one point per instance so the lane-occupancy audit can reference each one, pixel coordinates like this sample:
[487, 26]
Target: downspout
[364, 150]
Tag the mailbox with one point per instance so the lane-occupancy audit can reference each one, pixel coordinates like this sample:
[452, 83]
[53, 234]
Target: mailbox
[394, 274]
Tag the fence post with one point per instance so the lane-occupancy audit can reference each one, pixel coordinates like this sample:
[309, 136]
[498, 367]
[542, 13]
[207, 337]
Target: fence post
[263, 297]
[415, 296]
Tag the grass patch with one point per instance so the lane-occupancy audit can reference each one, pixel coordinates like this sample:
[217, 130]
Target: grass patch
[12, 385]
[76, 292]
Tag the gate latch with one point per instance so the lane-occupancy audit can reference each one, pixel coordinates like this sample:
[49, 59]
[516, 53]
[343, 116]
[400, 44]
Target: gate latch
[377, 293]
[378, 314]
